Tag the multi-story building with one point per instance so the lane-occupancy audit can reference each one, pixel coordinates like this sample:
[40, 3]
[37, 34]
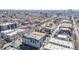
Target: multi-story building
[7, 26]
[59, 44]
[34, 39]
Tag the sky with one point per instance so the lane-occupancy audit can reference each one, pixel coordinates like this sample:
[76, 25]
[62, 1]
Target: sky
[39, 4]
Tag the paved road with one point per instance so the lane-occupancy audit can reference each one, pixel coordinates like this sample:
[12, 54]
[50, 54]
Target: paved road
[77, 35]
[55, 30]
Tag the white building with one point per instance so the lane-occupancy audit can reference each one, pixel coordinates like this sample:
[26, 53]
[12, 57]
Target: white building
[34, 39]
[63, 43]
[47, 30]
[7, 26]
[11, 35]
[9, 46]
[59, 44]
[50, 46]
[62, 36]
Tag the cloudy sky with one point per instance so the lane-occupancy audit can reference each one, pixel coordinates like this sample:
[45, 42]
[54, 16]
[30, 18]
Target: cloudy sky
[39, 4]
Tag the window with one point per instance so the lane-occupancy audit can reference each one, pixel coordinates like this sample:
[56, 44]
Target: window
[36, 41]
[30, 40]
[12, 26]
[15, 25]
[4, 28]
[0, 28]
[8, 27]
[40, 44]
[33, 41]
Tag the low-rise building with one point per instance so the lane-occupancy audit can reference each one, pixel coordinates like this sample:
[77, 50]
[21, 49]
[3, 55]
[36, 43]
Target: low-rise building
[9, 46]
[63, 43]
[7, 26]
[50, 46]
[67, 21]
[59, 44]
[48, 29]
[34, 39]
[67, 25]
[10, 35]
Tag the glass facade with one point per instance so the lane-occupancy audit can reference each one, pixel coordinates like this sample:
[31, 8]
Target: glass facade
[9, 26]
[31, 40]
[2, 28]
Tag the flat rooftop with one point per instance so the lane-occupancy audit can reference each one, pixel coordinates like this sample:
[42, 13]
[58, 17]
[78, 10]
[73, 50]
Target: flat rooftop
[50, 27]
[12, 32]
[7, 31]
[62, 42]
[67, 21]
[50, 46]
[2, 24]
[38, 33]
[66, 25]
[35, 35]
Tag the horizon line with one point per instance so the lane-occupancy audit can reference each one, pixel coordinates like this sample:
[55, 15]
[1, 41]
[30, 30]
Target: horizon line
[39, 9]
